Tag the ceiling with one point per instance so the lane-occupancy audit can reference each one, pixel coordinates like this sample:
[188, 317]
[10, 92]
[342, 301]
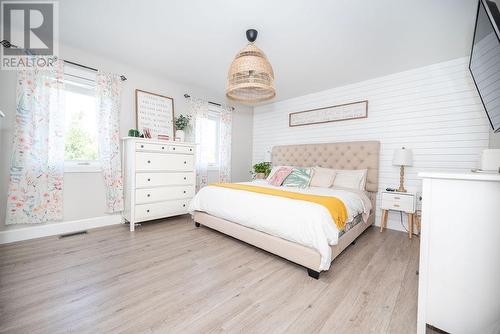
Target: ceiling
[312, 45]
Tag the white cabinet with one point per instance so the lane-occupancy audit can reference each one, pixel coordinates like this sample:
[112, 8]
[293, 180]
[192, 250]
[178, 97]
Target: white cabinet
[159, 178]
[459, 282]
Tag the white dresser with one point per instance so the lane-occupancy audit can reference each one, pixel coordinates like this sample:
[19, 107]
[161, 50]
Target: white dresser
[459, 282]
[159, 178]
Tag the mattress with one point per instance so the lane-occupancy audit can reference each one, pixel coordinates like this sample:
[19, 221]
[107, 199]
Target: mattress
[350, 224]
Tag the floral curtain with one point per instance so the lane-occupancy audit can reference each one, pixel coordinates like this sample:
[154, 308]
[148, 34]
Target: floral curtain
[108, 90]
[37, 165]
[199, 110]
[226, 120]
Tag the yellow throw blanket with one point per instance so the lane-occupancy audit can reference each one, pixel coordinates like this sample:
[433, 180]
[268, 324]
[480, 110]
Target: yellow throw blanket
[334, 205]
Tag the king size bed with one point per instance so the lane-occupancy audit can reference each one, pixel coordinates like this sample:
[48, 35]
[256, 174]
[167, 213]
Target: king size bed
[297, 230]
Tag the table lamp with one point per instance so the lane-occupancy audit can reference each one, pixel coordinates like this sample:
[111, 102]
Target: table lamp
[402, 157]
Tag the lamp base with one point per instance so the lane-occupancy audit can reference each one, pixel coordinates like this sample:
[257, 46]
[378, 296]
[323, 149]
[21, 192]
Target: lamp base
[401, 188]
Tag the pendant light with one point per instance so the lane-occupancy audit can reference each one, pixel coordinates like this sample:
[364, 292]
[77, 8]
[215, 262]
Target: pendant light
[250, 78]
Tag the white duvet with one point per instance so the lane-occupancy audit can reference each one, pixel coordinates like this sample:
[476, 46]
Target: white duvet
[306, 223]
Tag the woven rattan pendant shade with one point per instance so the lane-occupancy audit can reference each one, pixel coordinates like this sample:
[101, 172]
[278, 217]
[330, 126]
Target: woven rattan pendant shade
[250, 78]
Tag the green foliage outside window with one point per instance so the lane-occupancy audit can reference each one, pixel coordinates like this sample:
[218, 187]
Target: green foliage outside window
[79, 145]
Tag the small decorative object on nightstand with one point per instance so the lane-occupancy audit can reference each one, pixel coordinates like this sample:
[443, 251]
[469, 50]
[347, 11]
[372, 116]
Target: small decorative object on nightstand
[402, 157]
[398, 201]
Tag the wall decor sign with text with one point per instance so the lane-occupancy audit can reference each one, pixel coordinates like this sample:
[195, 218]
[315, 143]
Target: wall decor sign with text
[341, 112]
[155, 113]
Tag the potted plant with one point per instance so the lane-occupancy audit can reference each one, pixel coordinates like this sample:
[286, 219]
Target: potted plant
[181, 122]
[261, 170]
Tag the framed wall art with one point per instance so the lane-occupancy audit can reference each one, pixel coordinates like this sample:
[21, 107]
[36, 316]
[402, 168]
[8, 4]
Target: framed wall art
[340, 112]
[154, 114]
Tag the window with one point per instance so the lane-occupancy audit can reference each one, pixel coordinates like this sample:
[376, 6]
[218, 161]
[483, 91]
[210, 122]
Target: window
[80, 136]
[209, 132]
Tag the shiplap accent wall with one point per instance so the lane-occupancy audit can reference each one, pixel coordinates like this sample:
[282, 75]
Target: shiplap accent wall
[434, 110]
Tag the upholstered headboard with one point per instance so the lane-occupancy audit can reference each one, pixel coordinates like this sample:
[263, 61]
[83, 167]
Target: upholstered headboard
[347, 155]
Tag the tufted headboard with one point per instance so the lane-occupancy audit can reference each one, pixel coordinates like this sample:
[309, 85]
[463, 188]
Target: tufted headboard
[346, 155]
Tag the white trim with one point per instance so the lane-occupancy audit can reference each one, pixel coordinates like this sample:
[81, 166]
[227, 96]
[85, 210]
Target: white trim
[24, 232]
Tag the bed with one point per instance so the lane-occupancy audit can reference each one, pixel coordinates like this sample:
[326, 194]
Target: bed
[223, 215]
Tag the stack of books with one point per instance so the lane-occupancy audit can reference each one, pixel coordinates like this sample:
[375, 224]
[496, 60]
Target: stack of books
[163, 137]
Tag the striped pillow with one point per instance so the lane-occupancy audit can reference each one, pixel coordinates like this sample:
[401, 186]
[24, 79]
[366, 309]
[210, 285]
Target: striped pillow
[299, 177]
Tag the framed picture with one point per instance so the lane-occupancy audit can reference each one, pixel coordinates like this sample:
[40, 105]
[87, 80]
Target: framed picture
[154, 114]
[340, 112]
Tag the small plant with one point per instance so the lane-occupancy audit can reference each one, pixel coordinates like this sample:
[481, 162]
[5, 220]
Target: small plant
[181, 122]
[261, 167]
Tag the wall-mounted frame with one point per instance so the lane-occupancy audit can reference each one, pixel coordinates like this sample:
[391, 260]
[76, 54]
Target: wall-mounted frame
[340, 112]
[154, 112]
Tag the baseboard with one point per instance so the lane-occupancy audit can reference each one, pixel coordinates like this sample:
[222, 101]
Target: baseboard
[38, 231]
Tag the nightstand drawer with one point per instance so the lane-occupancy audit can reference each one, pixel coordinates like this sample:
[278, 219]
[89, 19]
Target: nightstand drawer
[400, 206]
[400, 202]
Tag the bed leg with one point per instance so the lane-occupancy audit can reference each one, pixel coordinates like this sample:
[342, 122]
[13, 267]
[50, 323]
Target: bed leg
[312, 273]
[196, 224]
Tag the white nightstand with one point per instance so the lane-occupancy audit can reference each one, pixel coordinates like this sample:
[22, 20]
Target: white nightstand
[403, 202]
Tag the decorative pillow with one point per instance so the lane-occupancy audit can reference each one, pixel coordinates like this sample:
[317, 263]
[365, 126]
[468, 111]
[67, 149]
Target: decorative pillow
[279, 176]
[322, 177]
[274, 170]
[354, 178]
[299, 177]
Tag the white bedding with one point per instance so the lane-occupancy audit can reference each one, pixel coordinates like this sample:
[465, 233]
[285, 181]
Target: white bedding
[306, 223]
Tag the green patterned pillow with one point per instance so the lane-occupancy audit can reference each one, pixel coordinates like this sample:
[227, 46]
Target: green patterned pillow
[299, 177]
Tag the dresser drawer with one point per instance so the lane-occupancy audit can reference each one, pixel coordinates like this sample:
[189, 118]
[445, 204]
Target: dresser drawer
[171, 148]
[151, 147]
[181, 149]
[160, 209]
[146, 161]
[163, 194]
[146, 180]
[398, 202]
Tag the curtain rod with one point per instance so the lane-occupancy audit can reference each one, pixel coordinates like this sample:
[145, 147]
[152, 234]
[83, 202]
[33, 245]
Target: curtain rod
[215, 104]
[122, 77]
[6, 44]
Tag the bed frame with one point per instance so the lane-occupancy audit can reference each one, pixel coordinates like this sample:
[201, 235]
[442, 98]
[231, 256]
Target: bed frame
[346, 155]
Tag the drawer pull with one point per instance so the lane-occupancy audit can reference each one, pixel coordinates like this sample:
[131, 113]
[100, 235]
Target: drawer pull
[149, 195]
[185, 162]
[184, 191]
[149, 161]
[142, 146]
[396, 198]
[184, 178]
[396, 205]
[173, 148]
[183, 205]
[149, 180]
[190, 150]
[147, 210]
[163, 147]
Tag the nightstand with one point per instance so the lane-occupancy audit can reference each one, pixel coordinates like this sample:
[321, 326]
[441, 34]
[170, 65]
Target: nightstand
[397, 201]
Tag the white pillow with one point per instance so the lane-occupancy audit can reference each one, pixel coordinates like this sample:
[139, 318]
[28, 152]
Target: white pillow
[350, 178]
[322, 177]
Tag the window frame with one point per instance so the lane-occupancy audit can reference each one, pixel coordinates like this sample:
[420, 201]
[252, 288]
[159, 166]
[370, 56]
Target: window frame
[84, 77]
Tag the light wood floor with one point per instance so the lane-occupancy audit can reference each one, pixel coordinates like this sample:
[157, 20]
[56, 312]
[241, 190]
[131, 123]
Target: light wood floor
[172, 277]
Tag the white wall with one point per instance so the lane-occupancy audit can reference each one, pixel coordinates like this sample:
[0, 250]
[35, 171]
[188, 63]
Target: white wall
[435, 110]
[84, 192]
[494, 140]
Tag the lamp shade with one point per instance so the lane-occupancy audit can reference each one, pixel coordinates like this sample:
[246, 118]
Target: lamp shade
[251, 77]
[402, 157]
